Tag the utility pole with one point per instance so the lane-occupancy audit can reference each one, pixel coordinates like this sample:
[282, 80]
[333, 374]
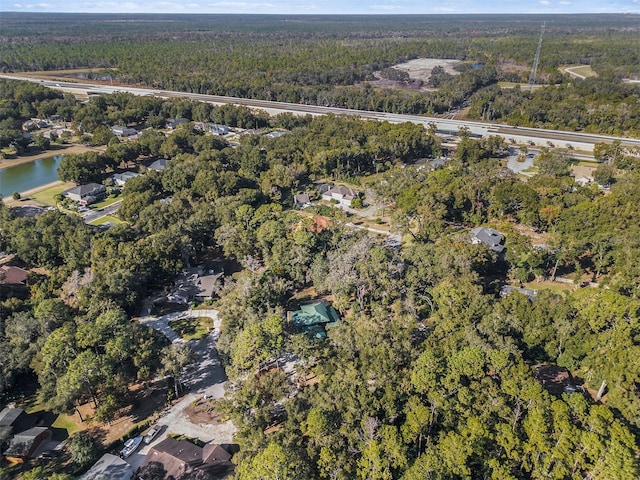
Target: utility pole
[536, 60]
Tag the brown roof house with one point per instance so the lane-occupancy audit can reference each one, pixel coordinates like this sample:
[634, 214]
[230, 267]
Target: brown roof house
[13, 281]
[24, 444]
[182, 459]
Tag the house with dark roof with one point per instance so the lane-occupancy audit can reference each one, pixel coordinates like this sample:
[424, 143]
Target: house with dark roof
[555, 379]
[13, 420]
[159, 165]
[23, 445]
[175, 122]
[193, 284]
[314, 318]
[87, 194]
[122, 131]
[109, 467]
[491, 238]
[183, 459]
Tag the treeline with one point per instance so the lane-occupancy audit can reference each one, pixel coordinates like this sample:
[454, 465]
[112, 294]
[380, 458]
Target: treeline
[430, 373]
[329, 62]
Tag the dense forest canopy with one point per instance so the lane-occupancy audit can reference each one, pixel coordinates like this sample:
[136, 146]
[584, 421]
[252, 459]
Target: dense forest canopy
[430, 374]
[331, 61]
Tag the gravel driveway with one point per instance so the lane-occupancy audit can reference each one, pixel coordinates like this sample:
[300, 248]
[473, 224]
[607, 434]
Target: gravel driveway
[205, 377]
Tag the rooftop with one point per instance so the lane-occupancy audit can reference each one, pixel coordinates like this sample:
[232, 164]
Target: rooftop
[109, 467]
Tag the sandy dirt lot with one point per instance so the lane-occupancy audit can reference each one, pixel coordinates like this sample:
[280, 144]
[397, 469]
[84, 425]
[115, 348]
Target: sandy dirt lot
[420, 68]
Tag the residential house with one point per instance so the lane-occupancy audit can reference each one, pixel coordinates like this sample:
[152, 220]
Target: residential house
[121, 178]
[10, 275]
[343, 195]
[314, 318]
[159, 165]
[13, 282]
[301, 200]
[87, 194]
[175, 122]
[509, 289]
[489, 237]
[173, 458]
[23, 445]
[218, 129]
[193, 284]
[34, 124]
[122, 131]
[275, 134]
[109, 467]
[13, 420]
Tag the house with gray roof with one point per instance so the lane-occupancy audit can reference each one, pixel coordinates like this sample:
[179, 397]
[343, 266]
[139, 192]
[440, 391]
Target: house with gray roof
[122, 131]
[159, 165]
[491, 238]
[109, 467]
[121, 178]
[87, 194]
[343, 195]
[506, 290]
[301, 200]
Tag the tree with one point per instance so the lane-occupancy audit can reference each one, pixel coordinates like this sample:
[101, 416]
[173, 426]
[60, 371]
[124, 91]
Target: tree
[272, 463]
[82, 448]
[175, 358]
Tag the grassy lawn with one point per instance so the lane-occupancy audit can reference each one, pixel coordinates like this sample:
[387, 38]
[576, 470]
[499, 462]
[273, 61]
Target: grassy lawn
[106, 202]
[107, 219]
[68, 423]
[190, 328]
[47, 196]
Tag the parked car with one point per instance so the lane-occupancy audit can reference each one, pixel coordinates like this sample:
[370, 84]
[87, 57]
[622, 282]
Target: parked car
[151, 434]
[50, 454]
[130, 446]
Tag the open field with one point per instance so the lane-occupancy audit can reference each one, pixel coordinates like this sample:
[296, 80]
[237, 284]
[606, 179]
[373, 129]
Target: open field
[578, 71]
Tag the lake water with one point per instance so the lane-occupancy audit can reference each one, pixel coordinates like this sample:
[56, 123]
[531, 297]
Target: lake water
[29, 175]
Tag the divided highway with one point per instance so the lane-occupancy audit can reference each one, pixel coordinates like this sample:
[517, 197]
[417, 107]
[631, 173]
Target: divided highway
[532, 136]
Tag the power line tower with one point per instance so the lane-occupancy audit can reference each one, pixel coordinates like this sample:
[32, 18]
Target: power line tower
[536, 60]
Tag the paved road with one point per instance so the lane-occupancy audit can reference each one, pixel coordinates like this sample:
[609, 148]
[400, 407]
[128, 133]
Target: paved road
[537, 136]
[92, 215]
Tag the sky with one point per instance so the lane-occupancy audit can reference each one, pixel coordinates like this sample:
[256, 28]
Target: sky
[324, 6]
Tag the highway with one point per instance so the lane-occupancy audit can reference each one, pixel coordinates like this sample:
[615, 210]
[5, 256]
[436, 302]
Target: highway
[521, 135]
